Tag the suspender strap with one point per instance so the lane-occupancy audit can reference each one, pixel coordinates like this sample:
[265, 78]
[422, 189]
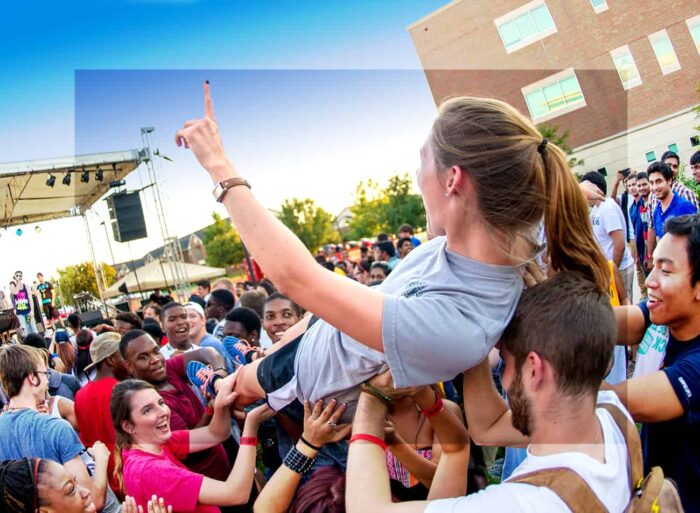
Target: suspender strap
[634, 444]
[568, 485]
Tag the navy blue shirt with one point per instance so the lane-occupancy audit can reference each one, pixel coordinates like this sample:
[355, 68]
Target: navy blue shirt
[674, 445]
[678, 207]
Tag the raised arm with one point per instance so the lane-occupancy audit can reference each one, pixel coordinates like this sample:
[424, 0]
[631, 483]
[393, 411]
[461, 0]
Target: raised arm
[349, 306]
[488, 416]
[219, 429]
[278, 493]
[649, 398]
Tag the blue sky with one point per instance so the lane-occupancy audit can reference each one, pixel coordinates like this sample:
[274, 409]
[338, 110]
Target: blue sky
[311, 96]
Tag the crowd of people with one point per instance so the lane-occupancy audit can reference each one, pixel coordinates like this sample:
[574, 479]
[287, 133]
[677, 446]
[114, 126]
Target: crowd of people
[384, 383]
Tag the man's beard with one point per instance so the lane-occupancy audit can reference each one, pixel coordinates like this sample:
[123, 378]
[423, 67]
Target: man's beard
[521, 411]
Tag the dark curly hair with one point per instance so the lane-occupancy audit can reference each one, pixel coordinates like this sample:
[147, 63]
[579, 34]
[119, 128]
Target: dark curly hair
[19, 484]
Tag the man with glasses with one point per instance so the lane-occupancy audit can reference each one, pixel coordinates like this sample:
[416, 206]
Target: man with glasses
[25, 432]
[695, 166]
[22, 302]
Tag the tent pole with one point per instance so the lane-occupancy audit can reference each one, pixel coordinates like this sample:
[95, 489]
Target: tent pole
[99, 278]
[136, 274]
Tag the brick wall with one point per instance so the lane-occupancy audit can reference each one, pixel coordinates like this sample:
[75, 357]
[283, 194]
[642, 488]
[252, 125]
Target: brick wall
[462, 54]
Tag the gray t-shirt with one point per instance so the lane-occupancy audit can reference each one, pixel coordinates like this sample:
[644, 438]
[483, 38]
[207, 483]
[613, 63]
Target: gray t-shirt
[443, 313]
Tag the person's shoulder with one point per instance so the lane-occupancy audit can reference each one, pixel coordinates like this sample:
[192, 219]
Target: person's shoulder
[684, 206]
[610, 397]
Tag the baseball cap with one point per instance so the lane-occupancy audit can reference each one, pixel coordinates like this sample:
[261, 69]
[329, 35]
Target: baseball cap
[61, 336]
[103, 347]
[196, 307]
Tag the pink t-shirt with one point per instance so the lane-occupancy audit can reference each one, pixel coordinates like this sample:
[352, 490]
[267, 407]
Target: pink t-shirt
[147, 474]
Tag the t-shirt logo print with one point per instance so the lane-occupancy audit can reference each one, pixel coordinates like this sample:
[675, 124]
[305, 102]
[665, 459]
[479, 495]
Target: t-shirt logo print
[413, 288]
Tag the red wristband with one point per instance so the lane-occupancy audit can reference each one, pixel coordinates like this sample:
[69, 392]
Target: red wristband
[368, 438]
[436, 408]
[209, 411]
[249, 440]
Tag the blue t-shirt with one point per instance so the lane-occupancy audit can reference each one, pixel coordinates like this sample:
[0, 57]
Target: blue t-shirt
[674, 445]
[678, 207]
[30, 434]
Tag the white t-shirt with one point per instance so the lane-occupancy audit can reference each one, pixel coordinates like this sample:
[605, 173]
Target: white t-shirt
[609, 480]
[607, 218]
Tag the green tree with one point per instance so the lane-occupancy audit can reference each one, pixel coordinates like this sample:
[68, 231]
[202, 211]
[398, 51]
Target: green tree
[79, 278]
[551, 132]
[309, 222]
[378, 209]
[222, 243]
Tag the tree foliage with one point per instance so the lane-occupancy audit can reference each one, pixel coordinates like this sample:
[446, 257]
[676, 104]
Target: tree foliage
[222, 243]
[551, 132]
[378, 209]
[81, 277]
[309, 222]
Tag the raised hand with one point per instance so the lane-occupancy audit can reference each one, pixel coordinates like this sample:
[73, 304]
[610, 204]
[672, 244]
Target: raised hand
[202, 137]
[321, 424]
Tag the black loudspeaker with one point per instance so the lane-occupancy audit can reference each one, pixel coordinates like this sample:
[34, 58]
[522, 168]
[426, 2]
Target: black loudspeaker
[123, 306]
[91, 318]
[126, 214]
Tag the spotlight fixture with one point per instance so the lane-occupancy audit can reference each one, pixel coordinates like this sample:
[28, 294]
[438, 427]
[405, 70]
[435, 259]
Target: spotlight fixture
[51, 180]
[85, 176]
[66, 179]
[99, 175]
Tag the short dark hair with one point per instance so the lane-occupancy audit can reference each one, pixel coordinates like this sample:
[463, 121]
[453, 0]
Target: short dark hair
[688, 226]
[248, 317]
[406, 228]
[153, 306]
[74, 320]
[382, 237]
[387, 247]
[167, 307]
[277, 295]
[127, 338]
[381, 265]
[642, 175]
[130, 318]
[670, 155]
[596, 179]
[543, 323]
[402, 240]
[267, 285]
[223, 297]
[695, 158]
[152, 327]
[35, 340]
[660, 167]
[205, 284]
[194, 298]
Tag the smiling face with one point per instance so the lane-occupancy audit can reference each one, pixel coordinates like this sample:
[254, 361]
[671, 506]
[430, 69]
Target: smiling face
[659, 185]
[144, 360]
[673, 301]
[59, 492]
[197, 326]
[643, 187]
[236, 329]
[279, 315]
[177, 326]
[149, 418]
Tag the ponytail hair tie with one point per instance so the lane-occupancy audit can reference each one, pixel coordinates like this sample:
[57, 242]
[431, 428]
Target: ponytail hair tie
[542, 146]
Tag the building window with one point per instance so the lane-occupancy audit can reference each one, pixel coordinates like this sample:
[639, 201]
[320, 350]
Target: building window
[626, 67]
[673, 147]
[651, 156]
[554, 96]
[599, 6]
[603, 171]
[694, 141]
[665, 54]
[694, 28]
[525, 25]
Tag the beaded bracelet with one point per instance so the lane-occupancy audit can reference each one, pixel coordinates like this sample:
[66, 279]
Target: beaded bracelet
[249, 440]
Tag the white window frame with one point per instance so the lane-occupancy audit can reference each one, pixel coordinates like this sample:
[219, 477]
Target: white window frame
[619, 52]
[693, 22]
[530, 6]
[601, 8]
[540, 84]
[657, 36]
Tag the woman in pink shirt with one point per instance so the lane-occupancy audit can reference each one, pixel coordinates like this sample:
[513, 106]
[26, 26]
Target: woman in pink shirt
[148, 453]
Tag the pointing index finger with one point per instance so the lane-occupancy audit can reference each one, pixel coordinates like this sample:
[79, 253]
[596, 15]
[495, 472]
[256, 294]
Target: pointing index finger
[208, 104]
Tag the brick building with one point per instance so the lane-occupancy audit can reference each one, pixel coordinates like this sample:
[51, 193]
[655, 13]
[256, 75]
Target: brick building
[620, 75]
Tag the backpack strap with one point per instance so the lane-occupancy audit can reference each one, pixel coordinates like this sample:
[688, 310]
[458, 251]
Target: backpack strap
[568, 485]
[634, 444]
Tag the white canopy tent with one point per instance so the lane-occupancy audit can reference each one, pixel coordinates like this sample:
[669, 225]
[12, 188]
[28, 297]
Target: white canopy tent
[156, 275]
[28, 193]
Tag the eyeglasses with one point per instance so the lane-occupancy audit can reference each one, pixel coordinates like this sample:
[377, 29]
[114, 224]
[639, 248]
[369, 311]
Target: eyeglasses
[45, 373]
